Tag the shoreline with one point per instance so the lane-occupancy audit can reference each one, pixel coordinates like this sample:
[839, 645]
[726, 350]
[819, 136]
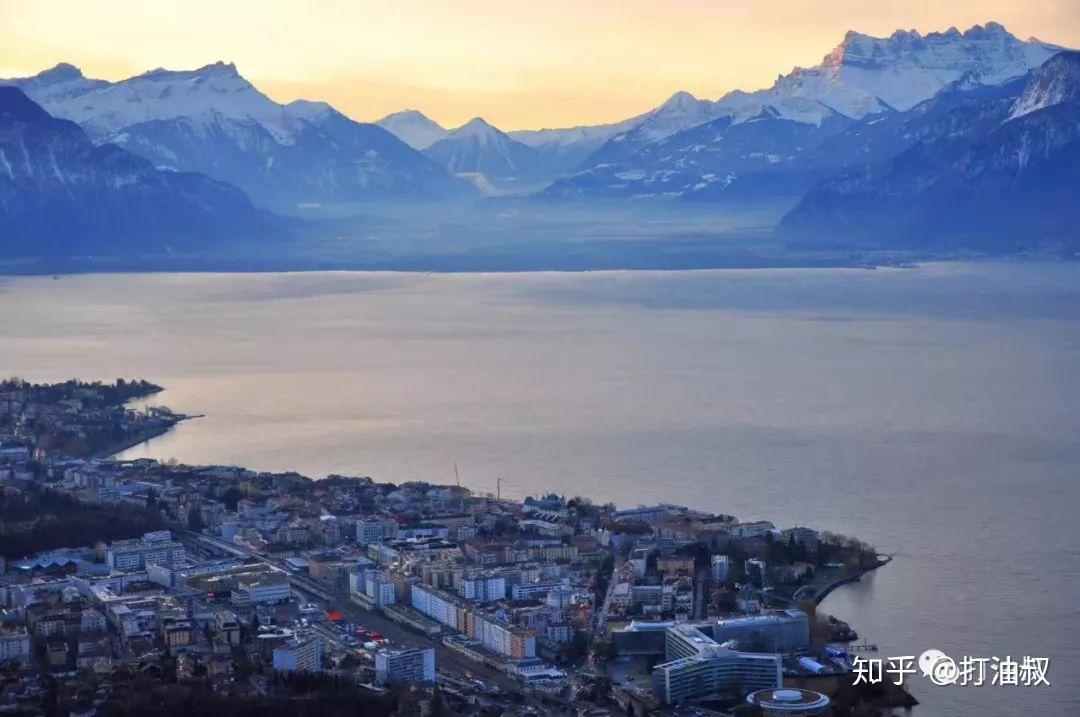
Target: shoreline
[144, 437]
[825, 591]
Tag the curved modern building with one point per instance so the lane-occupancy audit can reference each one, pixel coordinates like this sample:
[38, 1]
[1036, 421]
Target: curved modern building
[789, 701]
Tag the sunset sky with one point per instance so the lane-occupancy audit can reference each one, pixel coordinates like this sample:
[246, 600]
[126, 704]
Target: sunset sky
[519, 64]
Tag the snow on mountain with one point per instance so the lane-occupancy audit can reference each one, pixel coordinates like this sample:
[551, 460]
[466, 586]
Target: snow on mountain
[552, 139]
[1054, 83]
[216, 90]
[62, 195]
[477, 149]
[862, 77]
[212, 120]
[994, 168]
[56, 85]
[413, 128]
[867, 75]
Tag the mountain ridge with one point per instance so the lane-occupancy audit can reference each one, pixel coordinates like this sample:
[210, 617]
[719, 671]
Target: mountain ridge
[213, 121]
[61, 194]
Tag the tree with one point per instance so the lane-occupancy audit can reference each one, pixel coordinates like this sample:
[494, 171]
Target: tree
[231, 497]
[195, 519]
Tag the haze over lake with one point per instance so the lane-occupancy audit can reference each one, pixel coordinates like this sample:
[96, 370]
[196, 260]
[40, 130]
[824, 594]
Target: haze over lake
[932, 412]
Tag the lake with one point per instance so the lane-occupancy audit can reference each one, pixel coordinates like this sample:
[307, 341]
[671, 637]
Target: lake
[933, 412]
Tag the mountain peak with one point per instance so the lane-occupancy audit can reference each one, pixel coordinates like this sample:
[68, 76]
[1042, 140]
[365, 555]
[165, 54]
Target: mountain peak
[60, 72]
[680, 100]
[413, 127]
[308, 109]
[407, 113]
[219, 68]
[990, 28]
[1056, 82]
[477, 126]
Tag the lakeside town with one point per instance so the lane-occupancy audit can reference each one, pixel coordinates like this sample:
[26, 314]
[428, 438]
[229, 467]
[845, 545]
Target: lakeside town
[139, 586]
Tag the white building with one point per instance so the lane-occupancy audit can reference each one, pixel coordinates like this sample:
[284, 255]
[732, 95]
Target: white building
[483, 588]
[156, 548]
[267, 591]
[754, 529]
[721, 568]
[379, 588]
[299, 655]
[374, 530]
[789, 701]
[405, 667]
[505, 639]
[436, 604]
[535, 590]
[699, 667]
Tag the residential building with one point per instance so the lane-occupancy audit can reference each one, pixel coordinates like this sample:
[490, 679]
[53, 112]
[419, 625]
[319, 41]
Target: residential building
[374, 530]
[721, 568]
[299, 655]
[156, 548]
[405, 667]
[15, 645]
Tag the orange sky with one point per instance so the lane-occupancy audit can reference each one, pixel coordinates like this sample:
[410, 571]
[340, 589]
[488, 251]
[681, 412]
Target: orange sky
[519, 64]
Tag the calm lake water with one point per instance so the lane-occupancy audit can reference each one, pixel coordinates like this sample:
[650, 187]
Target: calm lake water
[933, 412]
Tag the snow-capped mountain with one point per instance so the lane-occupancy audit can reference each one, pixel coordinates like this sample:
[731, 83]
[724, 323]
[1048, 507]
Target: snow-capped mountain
[725, 158]
[1057, 82]
[488, 156]
[868, 75]
[999, 173]
[207, 94]
[58, 85]
[414, 128]
[862, 77]
[214, 121]
[62, 195]
[564, 149]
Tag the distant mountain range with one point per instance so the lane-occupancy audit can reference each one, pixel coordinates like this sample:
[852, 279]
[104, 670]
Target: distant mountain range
[62, 195]
[211, 120]
[862, 77]
[981, 169]
[887, 142]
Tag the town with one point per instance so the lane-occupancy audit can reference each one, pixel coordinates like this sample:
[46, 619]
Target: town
[139, 586]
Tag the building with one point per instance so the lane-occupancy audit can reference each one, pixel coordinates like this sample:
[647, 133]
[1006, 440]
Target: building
[698, 667]
[266, 590]
[781, 631]
[505, 639]
[15, 645]
[443, 607]
[803, 537]
[228, 626]
[374, 530]
[641, 638]
[756, 571]
[753, 529]
[156, 548]
[405, 667]
[378, 588]
[789, 701]
[534, 590]
[483, 588]
[299, 655]
[721, 568]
